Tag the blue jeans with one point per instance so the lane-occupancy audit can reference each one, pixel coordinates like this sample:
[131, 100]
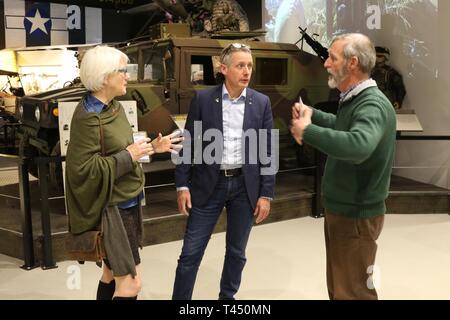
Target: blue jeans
[230, 193]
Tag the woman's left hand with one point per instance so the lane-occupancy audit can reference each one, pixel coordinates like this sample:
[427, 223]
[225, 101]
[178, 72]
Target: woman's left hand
[168, 143]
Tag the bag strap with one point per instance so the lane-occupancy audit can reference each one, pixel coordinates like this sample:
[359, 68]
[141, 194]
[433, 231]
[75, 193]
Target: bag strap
[103, 153]
[102, 145]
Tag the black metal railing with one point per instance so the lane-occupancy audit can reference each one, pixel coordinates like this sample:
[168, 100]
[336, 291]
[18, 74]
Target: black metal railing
[42, 163]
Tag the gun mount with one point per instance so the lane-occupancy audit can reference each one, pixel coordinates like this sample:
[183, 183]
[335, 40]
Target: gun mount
[320, 50]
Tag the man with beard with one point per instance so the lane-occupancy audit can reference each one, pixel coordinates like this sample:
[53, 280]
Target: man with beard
[359, 142]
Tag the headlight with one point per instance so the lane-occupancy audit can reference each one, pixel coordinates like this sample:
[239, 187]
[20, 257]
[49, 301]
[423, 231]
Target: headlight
[37, 114]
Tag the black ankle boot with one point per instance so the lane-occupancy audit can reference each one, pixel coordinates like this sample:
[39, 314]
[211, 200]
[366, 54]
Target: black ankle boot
[125, 298]
[105, 291]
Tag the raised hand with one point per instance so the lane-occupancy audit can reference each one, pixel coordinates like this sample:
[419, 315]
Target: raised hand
[169, 143]
[140, 148]
[299, 109]
[299, 124]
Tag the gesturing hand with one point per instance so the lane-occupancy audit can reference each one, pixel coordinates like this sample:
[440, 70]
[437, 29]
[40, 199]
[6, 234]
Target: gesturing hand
[299, 124]
[168, 143]
[299, 110]
[140, 148]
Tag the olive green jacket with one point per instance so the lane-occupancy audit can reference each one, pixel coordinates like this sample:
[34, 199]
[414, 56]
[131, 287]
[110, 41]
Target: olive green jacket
[99, 177]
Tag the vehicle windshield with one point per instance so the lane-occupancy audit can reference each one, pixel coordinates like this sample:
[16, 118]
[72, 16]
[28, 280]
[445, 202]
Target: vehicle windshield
[157, 63]
[132, 66]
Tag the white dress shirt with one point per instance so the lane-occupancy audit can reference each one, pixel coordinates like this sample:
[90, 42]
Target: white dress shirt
[233, 122]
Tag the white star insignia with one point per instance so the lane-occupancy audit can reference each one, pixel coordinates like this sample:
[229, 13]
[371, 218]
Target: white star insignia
[38, 22]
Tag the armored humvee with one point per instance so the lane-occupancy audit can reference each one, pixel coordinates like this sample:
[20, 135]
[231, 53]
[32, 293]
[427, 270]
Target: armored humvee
[165, 73]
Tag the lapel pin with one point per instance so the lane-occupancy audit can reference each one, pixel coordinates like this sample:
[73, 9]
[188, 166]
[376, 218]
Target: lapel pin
[217, 100]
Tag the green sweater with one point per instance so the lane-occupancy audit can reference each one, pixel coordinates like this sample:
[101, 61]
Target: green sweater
[360, 144]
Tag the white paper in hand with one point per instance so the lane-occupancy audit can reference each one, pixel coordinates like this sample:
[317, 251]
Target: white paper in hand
[300, 101]
[139, 136]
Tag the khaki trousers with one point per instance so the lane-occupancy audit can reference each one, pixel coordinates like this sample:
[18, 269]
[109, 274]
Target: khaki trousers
[351, 248]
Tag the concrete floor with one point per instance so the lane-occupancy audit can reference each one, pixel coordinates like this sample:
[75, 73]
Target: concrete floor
[286, 260]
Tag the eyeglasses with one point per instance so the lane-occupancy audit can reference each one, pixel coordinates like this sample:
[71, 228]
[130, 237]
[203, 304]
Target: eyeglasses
[124, 71]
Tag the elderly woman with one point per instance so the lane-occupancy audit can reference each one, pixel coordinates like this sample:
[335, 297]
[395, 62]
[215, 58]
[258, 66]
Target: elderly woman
[104, 181]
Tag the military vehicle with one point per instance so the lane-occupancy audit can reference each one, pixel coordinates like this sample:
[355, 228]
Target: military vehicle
[165, 73]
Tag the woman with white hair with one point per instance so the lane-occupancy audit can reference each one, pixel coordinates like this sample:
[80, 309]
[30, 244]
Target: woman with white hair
[104, 181]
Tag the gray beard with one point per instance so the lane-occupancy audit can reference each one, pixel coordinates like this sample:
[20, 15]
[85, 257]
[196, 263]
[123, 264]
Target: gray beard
[332, 83]
[335, 80]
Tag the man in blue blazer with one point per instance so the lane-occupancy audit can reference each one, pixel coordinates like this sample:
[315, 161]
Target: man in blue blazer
[237, 173]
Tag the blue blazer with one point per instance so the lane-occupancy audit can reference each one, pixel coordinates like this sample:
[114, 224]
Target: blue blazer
[201, 178]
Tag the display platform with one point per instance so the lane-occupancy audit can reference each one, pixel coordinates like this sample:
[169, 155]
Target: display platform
[294, 198]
